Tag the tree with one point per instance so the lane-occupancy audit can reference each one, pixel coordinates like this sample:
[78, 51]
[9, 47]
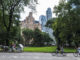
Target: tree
[50, 22]
[40, 38]
[36, 38]
[66, 26]
[11, 8]
[28, 35]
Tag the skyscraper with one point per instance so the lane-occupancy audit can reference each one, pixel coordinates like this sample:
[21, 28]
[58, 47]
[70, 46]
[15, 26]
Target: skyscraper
[48, 16]
[43, 21]
[49, 13]
[49, 30]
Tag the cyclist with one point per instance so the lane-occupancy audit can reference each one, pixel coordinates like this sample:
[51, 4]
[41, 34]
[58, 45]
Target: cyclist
[79, 50]
[58, 50]
[62, 50]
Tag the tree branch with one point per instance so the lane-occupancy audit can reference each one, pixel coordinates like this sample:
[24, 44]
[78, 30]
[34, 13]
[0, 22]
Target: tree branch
[3, 17]
[11, 14]
[16, 4]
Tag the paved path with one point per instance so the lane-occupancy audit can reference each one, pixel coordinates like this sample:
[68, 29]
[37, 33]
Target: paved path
[36, 56]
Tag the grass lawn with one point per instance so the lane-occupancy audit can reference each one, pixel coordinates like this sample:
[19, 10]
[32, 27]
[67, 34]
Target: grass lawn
[69, 50]
[46, 49]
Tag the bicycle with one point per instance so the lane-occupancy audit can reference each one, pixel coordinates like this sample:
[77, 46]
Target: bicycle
[55, 53]
[76, 54]
[59, 53]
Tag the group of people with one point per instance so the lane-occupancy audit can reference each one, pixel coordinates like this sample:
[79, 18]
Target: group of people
[14, 47]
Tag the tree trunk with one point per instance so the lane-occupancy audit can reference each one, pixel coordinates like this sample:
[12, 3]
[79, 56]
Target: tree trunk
[9, 27]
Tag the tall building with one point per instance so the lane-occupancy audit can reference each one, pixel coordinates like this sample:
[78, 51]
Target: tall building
[48, 16]
[49, 13]
[50, 30]
[30, 23]
[43, 21]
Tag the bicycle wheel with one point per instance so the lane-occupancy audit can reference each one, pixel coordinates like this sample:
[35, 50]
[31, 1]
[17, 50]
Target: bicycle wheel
[54, 54]
[64, 54]
[75, 54]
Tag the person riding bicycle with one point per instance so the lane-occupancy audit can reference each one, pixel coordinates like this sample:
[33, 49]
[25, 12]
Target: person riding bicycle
[58, 50]
[62, 50]
[79, 50]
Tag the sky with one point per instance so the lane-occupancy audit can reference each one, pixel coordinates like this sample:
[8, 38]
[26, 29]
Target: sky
[41, 8]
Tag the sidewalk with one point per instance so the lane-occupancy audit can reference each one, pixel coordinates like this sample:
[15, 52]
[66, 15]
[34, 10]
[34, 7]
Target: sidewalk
[36, 56]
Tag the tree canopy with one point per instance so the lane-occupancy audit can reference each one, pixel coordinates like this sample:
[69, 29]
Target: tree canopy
[67, 23]
[36, 38]
[9, 13]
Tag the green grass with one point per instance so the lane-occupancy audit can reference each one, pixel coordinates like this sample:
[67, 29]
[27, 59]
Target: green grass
[39, 49]
[46, 49]
[69, 50]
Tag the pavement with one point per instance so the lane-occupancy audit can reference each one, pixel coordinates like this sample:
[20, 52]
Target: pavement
[37, 56]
